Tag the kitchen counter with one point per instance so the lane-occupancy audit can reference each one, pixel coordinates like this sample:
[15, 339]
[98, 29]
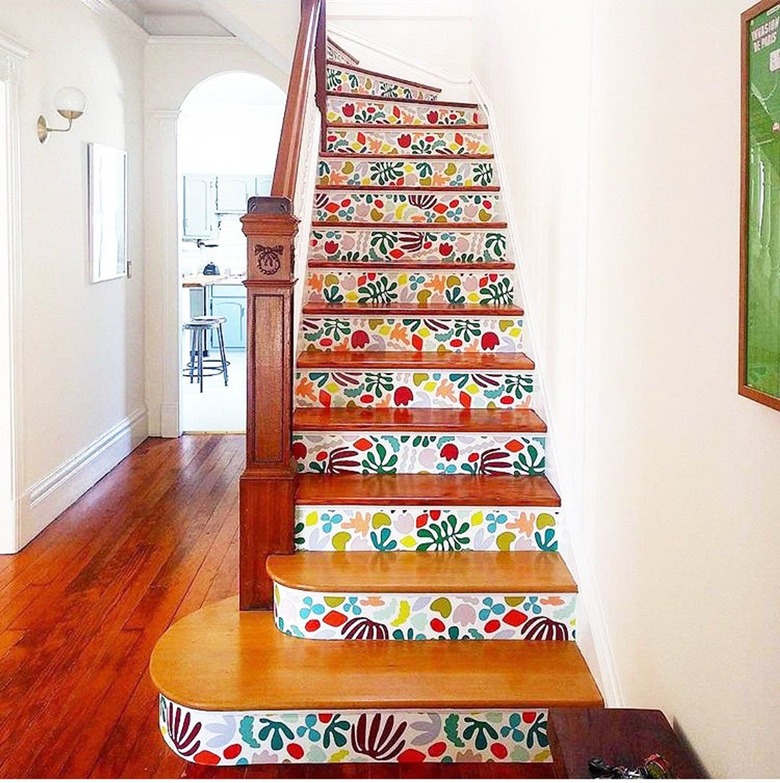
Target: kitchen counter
[201, 281]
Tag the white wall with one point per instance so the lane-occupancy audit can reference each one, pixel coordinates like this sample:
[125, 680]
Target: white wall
[172, 69]
[679, 493]
[423, 40]
[82, 344]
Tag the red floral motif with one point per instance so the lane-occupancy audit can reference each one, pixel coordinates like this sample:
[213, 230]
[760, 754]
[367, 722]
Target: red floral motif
[206, 757]
[491, 626]
[411, 756]
[450, 452]
[437, 625]
[403, 395]
[515, 618]
[334, 619]
[433, 117]
[445, 248]
[299, 450]
[331, 247]
[348, 109]
[405, 140]
[231, 751]
[437, 749]
[499, 751]
[362, 444]
[489, 341]
[295, 750]
[360, 339]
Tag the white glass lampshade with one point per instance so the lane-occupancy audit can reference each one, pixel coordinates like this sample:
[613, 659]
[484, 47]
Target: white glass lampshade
[70, 102]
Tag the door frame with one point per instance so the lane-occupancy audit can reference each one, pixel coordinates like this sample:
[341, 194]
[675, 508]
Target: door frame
[12, 56]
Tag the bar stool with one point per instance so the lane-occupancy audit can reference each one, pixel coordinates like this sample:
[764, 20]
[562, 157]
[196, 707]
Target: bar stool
[199, 365]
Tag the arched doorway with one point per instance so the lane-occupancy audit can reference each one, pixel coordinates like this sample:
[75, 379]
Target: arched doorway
[228, 135]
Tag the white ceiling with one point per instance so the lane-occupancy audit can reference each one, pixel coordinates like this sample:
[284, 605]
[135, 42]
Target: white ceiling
[171, 17]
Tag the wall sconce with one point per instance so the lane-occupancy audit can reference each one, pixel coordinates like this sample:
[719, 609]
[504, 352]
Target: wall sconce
[70, 102]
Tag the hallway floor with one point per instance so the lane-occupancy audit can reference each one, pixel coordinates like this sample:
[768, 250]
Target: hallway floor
[83, 605]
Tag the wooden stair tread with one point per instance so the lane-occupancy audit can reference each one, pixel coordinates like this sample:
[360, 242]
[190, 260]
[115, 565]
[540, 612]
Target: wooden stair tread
[423, 572]
[448, 420]
[380, 99]
[428, 490]
[221, 659]
[426, 266]
[412, 309]
[409, 227]
[387, 76]
[423, 360]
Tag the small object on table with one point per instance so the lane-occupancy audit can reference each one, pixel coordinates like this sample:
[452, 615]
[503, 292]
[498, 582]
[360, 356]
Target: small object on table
[653, 767]
[641, 742]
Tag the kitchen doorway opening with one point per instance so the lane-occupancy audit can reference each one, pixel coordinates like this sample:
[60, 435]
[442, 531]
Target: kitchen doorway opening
[228, 137]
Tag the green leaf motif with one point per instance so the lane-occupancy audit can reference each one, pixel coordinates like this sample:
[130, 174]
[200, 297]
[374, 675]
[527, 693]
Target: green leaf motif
[451, 730]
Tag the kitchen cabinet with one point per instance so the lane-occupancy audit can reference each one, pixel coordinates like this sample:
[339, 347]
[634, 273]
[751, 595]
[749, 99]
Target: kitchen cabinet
[200, 206]
[230, 301]
[207, 196]
[233, 192]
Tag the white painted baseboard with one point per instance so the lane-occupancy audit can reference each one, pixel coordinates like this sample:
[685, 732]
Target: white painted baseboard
[43, 502]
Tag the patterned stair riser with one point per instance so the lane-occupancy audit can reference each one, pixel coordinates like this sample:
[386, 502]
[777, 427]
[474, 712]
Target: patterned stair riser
[344, 79]
[451, 286]
[390, 333]
[370, 111]
[397, 141]
[479, 454]
[240, 738]
[422, 173]
[325, 388]
[429, 244]
[406, 617]
[425, 529]
[343, 206]
[338, 56]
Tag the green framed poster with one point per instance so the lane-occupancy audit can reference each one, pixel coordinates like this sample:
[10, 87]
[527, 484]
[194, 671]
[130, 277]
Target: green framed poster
[759, 334]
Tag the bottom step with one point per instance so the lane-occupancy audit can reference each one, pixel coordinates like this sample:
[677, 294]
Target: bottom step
[236, 691]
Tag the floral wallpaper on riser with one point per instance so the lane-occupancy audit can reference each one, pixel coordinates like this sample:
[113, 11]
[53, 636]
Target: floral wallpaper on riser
[346, 528]
[481, 454]
[340, 736]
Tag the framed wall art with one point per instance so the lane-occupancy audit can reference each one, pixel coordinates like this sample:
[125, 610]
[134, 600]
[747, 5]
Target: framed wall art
[107, 187]
[759, 333]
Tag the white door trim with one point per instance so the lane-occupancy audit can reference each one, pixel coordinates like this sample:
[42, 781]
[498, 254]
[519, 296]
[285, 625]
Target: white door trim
[12, 55]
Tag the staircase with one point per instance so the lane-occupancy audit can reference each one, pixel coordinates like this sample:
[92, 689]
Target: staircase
[424, 613]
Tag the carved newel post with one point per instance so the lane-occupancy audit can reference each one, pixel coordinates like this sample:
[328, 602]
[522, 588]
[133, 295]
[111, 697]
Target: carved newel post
[268, 482]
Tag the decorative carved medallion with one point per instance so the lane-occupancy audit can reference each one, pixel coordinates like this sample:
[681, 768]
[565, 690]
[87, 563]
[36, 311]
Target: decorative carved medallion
[269, 259]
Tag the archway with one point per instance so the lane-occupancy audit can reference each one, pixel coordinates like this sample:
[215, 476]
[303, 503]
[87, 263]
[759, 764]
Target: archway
[227, 136]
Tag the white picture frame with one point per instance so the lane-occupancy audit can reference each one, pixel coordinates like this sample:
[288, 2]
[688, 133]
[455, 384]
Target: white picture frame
[107, 190]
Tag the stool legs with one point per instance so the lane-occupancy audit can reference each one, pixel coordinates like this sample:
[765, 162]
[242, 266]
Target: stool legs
[223, 358]
[200, 365]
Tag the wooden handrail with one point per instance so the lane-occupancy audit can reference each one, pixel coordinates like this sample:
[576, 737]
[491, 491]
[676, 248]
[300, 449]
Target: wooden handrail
[267, 506]
[310, 51]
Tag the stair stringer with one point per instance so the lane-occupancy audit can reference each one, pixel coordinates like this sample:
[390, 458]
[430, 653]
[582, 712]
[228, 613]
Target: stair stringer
[304, 203]
[592, 633]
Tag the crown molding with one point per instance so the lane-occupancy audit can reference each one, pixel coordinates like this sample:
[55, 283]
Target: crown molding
[10, 47]
[107, 7]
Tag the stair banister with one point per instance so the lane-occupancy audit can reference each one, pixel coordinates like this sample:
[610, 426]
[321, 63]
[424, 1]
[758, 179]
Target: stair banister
[267, 487]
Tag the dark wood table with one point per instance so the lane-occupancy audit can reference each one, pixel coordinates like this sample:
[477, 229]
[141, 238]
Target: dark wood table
[620, 737]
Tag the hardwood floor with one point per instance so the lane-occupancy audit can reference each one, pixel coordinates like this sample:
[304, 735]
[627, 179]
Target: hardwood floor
[83, 605]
